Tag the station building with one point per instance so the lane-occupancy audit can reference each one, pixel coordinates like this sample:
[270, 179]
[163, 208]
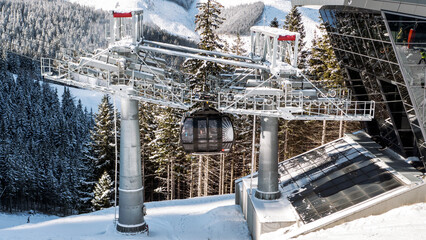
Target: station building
[379, 44]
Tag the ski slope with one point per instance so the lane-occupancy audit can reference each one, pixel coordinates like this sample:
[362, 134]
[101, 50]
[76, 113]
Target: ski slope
[199, 218]
[167, 15]
[214, 217]
[178, 21]
[280, 9]
[89, 99]
[211, 218]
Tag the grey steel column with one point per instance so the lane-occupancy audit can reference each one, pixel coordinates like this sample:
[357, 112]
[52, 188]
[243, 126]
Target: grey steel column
[130, 217]
[267, 186]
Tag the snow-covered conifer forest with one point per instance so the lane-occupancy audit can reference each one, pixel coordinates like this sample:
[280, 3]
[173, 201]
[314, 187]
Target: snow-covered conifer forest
[240, 18]
[42, 28]
[44, 142]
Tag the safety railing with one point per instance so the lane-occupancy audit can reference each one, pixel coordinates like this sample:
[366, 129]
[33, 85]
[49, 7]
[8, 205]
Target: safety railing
[292, 105]
[163, 92]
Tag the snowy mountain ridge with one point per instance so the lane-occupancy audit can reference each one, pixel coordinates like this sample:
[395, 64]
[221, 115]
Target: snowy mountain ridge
[178, 20]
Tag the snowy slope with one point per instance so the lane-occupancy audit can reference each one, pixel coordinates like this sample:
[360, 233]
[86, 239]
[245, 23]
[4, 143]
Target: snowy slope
[211, 218]
[11, 220]
[89, 99]
[279, 9]
[403, 223]
[166, 15]
[176, 20]
[198, 218]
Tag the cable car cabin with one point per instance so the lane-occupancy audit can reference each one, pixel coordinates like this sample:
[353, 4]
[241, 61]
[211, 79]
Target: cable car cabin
[207, 131]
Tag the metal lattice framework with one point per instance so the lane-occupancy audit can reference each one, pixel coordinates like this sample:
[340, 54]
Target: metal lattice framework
[263, 84]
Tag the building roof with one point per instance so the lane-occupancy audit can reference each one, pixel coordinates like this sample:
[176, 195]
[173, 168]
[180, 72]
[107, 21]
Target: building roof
[412, 7]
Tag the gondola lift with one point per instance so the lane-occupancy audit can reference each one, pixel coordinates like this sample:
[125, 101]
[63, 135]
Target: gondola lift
[207, 131]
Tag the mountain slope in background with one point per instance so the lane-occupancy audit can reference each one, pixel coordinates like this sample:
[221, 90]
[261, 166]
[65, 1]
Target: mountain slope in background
[167, 15]
[239, 19]
[177, 16]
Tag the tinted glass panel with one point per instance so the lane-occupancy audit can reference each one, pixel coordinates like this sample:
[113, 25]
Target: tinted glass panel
[213, 130]
[363, 44]
[409, 38]
[202, 129]
[332, 178]
[188, 131]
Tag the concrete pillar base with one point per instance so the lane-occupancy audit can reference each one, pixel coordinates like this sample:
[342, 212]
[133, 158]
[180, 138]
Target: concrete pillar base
[267, 195]
[132, 229]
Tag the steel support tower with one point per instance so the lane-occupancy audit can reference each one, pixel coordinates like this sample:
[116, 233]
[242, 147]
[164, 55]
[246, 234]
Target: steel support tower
[131, 218]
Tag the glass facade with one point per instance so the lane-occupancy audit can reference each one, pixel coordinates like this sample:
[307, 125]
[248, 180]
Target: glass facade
[408, 36]
[366, 50]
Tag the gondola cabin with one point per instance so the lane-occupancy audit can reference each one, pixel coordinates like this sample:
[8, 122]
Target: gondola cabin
[207, 131]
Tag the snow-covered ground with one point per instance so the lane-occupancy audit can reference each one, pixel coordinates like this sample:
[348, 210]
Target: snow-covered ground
[11, 220]
[403, 223]
[175, 19]
[214, 217]
[199, 218]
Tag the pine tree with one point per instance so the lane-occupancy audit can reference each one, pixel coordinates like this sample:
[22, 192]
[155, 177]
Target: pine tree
[13, 63]
[243, 140]
[323, 64]
[103, 139]
[86, 182]
[274, 23]
[147, 126]
[168, 154]
[85, 168]
[207, 21]
[293, 22]
[237, 46]
[103, 193]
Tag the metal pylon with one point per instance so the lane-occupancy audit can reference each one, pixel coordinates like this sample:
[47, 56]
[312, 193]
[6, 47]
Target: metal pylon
[131, 218]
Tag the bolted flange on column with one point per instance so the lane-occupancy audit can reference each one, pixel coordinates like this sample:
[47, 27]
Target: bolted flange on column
[267, 188]
[130, 216]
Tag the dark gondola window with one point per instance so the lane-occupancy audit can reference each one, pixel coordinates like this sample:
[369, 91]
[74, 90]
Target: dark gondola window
[207, 131]
[188, 131]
